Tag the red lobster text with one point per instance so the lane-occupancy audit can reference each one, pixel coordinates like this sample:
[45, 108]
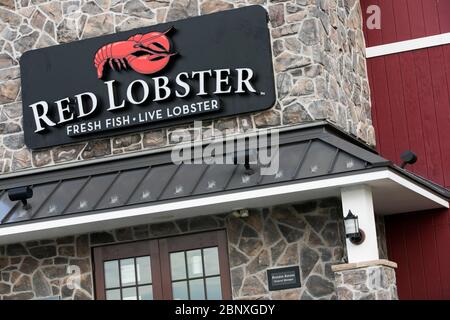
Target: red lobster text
[144, 53]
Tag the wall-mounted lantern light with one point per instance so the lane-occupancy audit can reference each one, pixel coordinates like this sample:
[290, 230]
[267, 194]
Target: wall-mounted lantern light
[352, 230]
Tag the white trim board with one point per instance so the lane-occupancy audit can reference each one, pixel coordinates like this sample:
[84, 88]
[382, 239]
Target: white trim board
[408, 45]
[256, 198]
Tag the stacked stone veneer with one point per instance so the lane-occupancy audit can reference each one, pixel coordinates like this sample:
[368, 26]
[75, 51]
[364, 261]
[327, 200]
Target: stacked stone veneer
[373, 281]
[308, 234]
[318, 51]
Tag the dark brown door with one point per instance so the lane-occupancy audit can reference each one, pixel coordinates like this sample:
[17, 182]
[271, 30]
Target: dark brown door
[187, 267]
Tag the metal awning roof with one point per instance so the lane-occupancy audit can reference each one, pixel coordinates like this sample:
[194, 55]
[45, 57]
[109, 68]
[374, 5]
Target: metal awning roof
[308, 154]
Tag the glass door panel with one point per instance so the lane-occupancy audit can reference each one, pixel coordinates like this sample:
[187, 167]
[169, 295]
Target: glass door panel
[133, 282]
[198, 265]
[195, 274]
[126, 271]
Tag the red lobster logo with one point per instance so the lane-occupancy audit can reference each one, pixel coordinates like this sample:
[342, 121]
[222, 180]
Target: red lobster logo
[145, 53]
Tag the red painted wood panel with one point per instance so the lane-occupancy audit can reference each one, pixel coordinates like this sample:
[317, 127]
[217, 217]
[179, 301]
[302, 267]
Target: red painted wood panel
[380, 89]
[428, 113]
[415, 261]
[432, 276]
[411, 109]
[397, 252]
[397, 105]
[420, 248]
[416, 17]
[431, 17]
[442, 239]
[446, 50]
[388, 18]
[402, 26]
[407, 19]
[441, 97]
[444, 14]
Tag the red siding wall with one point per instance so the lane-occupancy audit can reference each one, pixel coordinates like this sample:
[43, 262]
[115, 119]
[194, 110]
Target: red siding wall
[411, 110]
[407, 19]
[419, 244]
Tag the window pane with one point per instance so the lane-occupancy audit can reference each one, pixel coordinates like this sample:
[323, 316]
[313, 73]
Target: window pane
[177, 266]
[144, 271]
[127, 272]
[197, 290]
[129, 294]
[145, 293]
[211, 258]
[213, 289]
[195, 267]
[180, 291]
[113, 294]
[112, 274]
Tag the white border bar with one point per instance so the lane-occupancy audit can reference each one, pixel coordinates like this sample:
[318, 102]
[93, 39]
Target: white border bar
[408, 45]
[417, 189]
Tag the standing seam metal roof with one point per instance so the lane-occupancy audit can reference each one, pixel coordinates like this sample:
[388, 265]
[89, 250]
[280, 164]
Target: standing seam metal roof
[310, 153]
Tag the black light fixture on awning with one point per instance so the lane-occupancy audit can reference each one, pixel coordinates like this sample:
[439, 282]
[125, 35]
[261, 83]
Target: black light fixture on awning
[352, 230]
[408, 157]
[245, 157]
[21, 194]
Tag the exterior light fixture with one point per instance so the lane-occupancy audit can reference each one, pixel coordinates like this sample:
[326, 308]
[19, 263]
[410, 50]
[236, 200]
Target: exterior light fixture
[408, 157]
[352, 230]
[245, 157]
[242, 213]
[21, 194]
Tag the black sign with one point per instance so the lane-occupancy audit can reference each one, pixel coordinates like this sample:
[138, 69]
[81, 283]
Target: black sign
[283, 278]
[206, 67]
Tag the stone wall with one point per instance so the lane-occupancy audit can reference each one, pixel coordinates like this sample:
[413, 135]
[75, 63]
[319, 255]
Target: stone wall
[308, 234]
[318, 51]
[370, 281]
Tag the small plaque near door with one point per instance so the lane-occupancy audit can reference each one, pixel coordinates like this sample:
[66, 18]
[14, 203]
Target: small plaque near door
[283, 278]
